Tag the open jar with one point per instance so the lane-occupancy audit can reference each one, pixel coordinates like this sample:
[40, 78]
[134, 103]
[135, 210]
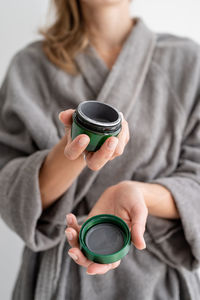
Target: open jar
[96, 119]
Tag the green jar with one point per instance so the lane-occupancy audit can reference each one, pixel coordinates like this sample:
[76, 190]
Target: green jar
[96, 119]
[105, 238]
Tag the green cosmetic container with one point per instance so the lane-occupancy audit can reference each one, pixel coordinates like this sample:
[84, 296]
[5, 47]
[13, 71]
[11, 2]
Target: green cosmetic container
[105, 238]
[96, 119]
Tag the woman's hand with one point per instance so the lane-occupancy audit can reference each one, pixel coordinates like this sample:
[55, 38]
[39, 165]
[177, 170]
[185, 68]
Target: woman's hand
[112, 147]
[124, 200]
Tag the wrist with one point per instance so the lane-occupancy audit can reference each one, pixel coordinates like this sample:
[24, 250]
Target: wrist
[159, 200]
[153, 193]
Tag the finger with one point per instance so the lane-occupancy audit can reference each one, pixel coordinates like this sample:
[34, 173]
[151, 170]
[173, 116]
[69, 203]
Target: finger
[74, 149]
[72, 222]
[68, 134]
[95, 268]
[123, 138]
[137, 236]
[66, 116]
[138, 226]
[116, 264]
[100, 157]
[79, 258]
[102, 268]
[128, 132]
[92, 268]
[88, 155]
[72, 237]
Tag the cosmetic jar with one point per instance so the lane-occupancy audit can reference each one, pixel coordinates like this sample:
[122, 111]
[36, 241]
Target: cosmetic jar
[96, 119]
[105, 238]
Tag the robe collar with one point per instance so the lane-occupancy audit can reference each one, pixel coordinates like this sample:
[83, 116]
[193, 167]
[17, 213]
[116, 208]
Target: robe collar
[121, 85]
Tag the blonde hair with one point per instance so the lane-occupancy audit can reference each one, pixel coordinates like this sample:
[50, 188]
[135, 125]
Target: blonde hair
[66, 36]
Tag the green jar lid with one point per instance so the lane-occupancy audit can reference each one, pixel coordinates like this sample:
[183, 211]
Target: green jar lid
[105, 238]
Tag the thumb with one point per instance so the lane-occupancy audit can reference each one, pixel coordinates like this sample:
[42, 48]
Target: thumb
[66, 116]
[138, 223]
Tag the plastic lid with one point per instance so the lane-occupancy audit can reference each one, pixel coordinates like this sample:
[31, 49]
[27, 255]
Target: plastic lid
[105, 238]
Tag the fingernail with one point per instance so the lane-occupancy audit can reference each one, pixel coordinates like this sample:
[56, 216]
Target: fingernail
[69, 235]
[91, 273]
[83, 141]
[73, 256]
[69, 219]
[112, 144]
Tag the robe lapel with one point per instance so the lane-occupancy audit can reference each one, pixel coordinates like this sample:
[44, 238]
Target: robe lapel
[93, 69]
[121, 85]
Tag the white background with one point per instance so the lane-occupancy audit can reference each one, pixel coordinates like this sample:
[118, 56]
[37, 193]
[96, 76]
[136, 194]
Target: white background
[19, 21]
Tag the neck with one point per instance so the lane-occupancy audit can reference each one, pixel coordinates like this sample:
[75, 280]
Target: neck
[108, 25]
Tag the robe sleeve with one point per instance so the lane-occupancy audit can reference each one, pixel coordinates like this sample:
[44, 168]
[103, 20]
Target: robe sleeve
[177, 242]
[21, 159]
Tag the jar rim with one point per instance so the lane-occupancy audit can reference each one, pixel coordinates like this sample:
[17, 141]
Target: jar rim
[91, 121]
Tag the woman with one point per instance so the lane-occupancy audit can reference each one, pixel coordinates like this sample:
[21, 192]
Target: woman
[95, 50]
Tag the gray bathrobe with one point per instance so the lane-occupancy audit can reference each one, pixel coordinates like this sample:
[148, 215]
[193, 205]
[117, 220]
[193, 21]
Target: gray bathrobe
[155, 82]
